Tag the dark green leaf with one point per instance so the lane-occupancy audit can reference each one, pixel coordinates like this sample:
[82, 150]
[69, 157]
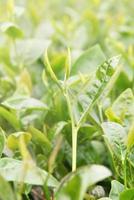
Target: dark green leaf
[81, 179]
[39, 137]
[6, 192]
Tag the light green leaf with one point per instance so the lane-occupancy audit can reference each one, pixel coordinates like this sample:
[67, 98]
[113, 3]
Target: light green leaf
[116, 189]
[116, 136]
[28, 51]
[122, 109]
[15, 170]
[11, 29]
[13, 139]
[6, 192]
[89, 60]
[59, 127]
[50, 70]
[112, 116]
[10, 117]
[127, 194]
[25, 81]
[39, 137]
[76, 79]
[24, 103]
[74, 186]
[93, 89]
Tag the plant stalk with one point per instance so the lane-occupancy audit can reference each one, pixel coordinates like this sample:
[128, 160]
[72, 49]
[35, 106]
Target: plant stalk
[74, 147]
[74, 131]
[125, 171]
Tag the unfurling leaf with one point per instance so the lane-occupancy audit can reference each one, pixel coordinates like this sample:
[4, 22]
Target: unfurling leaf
[12, 30]
[68, 64]
[13, 139]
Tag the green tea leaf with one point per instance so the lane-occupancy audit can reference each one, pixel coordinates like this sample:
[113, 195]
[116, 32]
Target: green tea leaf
[116, 136]
[14, 170]
[76, 79]
[127, 194]
[10, 117]
[130, 138]
[19, 102]
[112, 116]
[28, 51]
[11, 29]
[89, 60]
[116, 189]
[68, 64]
[81, 179]
[6, 192]
[13, 139]
[94, 88]
[122, 110]
[39, 137]
[25, 81]
[50, 70]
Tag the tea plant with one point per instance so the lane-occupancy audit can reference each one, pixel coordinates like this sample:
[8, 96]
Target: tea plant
[66, 100]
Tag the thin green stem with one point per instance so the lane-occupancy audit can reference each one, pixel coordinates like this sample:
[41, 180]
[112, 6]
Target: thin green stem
[74, 131]
[74, 147]
[69, 106]
[125, 171]
[83, 117]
